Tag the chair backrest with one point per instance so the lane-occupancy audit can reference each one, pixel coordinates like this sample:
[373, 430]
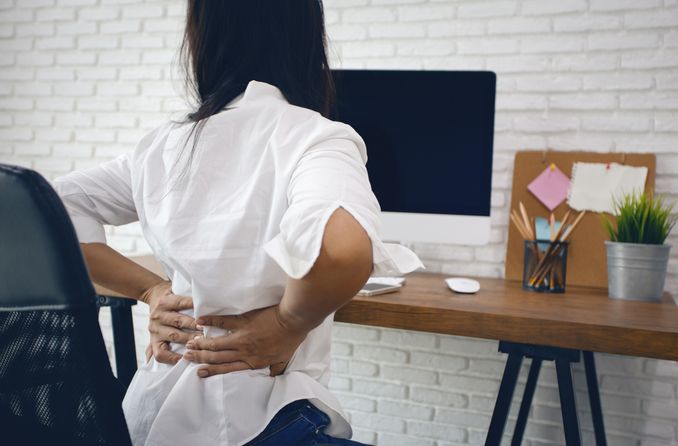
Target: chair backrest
[56, 384]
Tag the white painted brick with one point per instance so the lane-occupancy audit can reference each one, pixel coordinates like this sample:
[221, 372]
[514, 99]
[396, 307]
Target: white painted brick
[388, 424]
[518, 25]
[487, 46]
[55, 14]
[98, 13]
[438, 397]
[98, 42]
[76, 58]
[408, 374]
[463, 417]
[618, 82]
[408, 338]
[623, 41]
[588, 143]
[72, 150]
[577, 23]
[555, 44]
[394, 439]
[128, 26]
[33, 119]
[358, 403]
[436, 431]
[379, 388]
[352, 331]
[648, 101]
[425, 13]
[539, 7]
[579, 101]
[447, 29]
[341, 348]
[363, 368]
[53, 135]
[396, 30]
[546, 125]
[487, 9]
[667, 81]
[549, 84]
[143, 11]
[652, 19]
[616, 5]
[347, 32]
[637, 386]
[435, 360]
[76, 28]
[665, 59]
[405, 410]
[369, 49]
[368, 15]
[381, 354]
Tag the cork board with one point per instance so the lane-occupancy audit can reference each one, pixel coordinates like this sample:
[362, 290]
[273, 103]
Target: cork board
[587, 262]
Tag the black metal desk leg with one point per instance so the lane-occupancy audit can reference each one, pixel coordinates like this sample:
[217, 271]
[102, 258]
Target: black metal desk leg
[503, 404]
[568, 405]
[123, 339]
[594, 398]
[528, 394]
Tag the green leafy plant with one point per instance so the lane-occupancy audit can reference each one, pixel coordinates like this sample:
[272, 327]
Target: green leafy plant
[641, 219]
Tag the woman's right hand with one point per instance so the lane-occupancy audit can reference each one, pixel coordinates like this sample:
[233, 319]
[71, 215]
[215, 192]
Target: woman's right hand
[165, 323]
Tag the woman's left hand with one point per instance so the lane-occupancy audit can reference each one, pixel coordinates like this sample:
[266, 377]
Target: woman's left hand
[258, 339]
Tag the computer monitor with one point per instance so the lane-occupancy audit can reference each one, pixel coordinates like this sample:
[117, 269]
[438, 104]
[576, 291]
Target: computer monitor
[429, 145]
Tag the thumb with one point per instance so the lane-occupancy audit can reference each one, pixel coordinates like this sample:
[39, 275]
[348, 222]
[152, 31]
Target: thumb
[278, 368]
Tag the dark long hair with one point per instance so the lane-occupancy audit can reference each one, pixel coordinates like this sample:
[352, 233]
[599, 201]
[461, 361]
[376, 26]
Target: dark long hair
[228, 43]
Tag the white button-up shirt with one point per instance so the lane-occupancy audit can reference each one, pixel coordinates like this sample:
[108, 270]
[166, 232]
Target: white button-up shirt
[250, 211]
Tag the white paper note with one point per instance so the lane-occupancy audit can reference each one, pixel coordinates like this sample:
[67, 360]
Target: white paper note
[595, 186]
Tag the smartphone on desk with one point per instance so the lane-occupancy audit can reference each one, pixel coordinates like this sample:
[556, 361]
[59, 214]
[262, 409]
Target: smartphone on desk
[374, 289]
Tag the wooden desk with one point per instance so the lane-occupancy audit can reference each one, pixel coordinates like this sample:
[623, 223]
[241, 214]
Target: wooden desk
[581, 318]
[532, 325]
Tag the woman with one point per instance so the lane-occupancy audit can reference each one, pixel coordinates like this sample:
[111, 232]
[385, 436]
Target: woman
[260, 210]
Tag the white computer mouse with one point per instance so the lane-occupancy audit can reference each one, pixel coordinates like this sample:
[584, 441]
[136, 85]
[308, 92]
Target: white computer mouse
[463, 285]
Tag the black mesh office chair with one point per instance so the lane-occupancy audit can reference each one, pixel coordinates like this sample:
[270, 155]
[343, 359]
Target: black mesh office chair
[56, 384]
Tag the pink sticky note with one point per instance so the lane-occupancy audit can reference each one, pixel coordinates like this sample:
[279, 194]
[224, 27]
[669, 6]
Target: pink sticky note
[550, 187]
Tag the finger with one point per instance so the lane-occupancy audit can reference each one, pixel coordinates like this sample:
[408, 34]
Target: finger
[278, 369]
[218, 343]
[163, 354]
[169, 334]
[176, 320]
[226, 322]
[208, 357]
[221, 369]
[149, 352]
[175, 302]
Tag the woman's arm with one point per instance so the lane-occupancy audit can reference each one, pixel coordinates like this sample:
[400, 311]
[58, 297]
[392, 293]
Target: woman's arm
[109, 268]
[341, 269]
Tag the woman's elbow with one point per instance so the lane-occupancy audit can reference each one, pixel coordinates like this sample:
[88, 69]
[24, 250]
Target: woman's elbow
[347, 246]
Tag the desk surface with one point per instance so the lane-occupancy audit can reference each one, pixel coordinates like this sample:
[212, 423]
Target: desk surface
[582, 318]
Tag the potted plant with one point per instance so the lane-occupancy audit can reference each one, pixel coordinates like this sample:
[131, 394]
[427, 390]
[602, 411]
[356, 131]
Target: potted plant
[637, 257]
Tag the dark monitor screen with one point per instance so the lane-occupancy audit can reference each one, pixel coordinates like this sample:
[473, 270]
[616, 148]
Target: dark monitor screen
[429, 136]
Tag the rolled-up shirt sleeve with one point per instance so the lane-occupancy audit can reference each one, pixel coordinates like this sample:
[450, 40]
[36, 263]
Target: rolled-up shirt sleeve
[329, 175]
[98, 196]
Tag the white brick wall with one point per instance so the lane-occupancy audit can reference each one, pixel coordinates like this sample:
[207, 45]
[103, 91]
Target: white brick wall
[82, 80]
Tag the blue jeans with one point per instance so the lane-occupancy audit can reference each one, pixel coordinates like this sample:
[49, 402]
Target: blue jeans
[299, 424]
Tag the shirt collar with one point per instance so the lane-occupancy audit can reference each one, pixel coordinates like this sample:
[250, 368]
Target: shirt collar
[256, 90]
